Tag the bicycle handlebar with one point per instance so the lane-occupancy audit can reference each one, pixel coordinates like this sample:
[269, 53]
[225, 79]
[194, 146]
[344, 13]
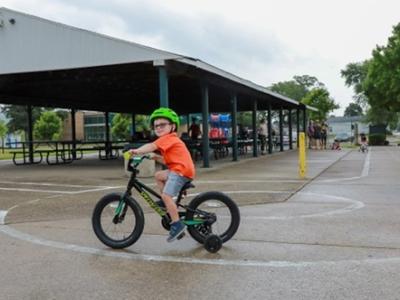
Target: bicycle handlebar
[137, 160]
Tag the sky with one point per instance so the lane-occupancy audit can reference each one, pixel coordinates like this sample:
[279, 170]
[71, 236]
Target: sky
[265, 41]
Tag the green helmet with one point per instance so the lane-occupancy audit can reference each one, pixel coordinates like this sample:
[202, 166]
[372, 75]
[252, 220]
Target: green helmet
[166, 113]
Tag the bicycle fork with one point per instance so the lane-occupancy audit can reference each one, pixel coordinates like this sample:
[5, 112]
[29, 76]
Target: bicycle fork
[120, 210]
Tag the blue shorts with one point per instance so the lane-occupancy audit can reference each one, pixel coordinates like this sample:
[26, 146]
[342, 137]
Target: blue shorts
[174, 184]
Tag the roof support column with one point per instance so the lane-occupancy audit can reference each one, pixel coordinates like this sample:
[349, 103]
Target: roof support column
[107, 127]
[269, 129]
[205, 113]
[234, 127]
[73, 133]
[254, 119]
[133, 128]
[30, 134]
[298, 125]
[281, 129]
[304, 119]
[163, 86]
[290, 129]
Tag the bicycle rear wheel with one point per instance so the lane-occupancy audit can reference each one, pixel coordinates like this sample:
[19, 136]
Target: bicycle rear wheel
[212, 213]
[117, 224]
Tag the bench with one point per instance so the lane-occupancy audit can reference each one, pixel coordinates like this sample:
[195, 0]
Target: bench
[25, 157]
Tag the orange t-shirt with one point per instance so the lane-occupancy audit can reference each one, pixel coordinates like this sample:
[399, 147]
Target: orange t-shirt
[176, 155]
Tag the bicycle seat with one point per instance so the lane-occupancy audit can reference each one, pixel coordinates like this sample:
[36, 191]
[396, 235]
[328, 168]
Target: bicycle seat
[187, 185]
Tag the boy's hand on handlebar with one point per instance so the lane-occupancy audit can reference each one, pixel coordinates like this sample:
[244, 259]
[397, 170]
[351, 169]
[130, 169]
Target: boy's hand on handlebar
[133, 152]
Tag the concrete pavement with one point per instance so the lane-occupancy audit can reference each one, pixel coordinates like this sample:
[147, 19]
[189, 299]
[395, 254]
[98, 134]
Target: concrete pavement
[331, 236]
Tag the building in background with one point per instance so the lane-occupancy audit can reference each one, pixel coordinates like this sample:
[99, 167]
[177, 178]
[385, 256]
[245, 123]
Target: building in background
[79, 127]
[353, 126]
[95, 125]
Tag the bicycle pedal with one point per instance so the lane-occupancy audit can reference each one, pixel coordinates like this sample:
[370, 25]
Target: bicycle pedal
[180, 236]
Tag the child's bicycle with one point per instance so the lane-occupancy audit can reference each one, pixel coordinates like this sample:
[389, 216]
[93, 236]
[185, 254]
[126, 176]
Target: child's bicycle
[363, 147]
[212, 218]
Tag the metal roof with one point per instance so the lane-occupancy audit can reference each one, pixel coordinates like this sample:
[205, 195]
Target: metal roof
[46, 63]
[30, 44]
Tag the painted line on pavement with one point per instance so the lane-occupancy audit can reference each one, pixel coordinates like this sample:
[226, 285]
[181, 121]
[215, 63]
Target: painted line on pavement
[204, 261]
[51, 184]
[103, 188]
[55, 191]
[355, 204]
[3, 214]
[189, 260]
[364, 172]
[250, 181]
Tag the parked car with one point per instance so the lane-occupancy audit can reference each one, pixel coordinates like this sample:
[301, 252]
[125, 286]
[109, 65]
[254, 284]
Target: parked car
[343, 137]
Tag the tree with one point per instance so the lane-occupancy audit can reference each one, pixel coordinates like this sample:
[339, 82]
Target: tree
[289, 89]
[121, 126]
[297, 88]
[353, 109]
[355, 74]
[309, 82]
[245, 118]
[142, 123]
[381, 115]
[18, 116]
[48, 126]
[320, 99]
[382, 83]
[3, 132]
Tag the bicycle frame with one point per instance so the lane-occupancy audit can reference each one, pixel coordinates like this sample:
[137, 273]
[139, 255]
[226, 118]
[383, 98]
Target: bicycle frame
[142, 188]
[144, 191]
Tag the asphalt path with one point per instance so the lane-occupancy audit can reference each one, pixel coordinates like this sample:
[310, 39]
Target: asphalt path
[333, 235]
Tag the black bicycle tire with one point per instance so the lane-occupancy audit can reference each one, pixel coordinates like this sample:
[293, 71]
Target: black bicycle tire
[233, 208]
[136, 231]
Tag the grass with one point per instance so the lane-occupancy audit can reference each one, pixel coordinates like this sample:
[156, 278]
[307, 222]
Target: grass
[5, 154]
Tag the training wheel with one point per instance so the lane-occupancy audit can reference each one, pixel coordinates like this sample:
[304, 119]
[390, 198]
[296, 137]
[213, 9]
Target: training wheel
[213, 243]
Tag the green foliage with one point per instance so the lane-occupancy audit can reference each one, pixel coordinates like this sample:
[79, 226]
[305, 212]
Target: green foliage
[297, 88]
[307, 81]
[289, 89]
[245, 118]
[355, 74]
[18, 116]
[121, 124]
[320, 99]
[48, 126]
[3, 132]
[381, 115]
[142, 123]
[353, 109]
[3, 129]
[382, 84]
[376, 139]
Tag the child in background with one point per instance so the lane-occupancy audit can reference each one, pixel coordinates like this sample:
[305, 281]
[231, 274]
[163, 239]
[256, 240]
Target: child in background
[364, 142]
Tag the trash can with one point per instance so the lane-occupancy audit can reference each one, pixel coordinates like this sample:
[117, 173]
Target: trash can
[146, 168]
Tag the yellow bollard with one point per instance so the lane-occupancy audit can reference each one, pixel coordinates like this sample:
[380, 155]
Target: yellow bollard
[302, 156]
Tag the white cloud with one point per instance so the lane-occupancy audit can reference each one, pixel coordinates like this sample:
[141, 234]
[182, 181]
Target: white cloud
[263, 41]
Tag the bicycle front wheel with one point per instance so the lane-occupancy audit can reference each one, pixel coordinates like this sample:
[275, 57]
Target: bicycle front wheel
[117, 224]
[212, 213]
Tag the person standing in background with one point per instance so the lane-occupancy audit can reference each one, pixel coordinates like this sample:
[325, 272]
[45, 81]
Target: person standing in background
[262, 135]
[194, 130]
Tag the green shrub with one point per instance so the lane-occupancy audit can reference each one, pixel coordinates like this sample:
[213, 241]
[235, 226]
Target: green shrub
[377, 139]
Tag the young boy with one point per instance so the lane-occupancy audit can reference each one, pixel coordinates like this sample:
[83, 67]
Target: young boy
[176, 156]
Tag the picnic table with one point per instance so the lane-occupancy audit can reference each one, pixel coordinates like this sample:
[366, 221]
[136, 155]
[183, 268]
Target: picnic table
[63, 152]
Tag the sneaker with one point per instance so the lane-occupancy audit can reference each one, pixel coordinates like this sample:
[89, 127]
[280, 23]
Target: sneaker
[177, 229]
